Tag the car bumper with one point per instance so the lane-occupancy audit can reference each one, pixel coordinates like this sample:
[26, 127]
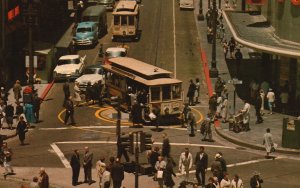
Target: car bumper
[185, 6]
[65, 76]
[83, 42]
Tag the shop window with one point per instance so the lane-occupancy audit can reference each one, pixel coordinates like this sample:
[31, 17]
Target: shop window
[155, 94]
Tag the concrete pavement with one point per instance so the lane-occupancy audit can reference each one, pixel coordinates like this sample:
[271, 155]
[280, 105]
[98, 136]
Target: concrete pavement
[254, 137]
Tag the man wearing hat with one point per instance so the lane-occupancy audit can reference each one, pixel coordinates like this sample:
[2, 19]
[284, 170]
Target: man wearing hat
[216, 167]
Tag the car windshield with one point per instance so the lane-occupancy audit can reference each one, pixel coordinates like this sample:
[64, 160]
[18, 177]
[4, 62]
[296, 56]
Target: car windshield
[68, 61]
[115, 54]
[90, 71]
[84, 30]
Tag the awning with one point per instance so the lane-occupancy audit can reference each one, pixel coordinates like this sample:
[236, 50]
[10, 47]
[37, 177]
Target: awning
[255, 32]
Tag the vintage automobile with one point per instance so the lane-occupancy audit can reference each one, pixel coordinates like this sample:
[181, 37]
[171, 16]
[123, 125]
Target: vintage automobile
[114, 52]
[86, 34]
[109, 4]
[92, 74]
[69, 67]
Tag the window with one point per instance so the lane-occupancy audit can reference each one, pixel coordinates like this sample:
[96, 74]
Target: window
[124, 20]
[155, 93]
[131, 20]
[116, 20]
[176, 91]
[166, 92]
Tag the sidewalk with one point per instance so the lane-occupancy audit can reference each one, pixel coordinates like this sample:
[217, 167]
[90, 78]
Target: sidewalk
[254, 137]
[42, 89]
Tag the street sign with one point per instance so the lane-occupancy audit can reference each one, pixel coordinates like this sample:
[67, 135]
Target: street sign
[235, 81]
[34, 61]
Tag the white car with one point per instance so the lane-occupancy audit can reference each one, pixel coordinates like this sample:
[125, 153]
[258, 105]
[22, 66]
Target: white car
[91, 74]
[69, 67]
[114, 52]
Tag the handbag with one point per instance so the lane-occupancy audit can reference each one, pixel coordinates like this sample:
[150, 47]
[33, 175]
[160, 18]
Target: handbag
[159, 174]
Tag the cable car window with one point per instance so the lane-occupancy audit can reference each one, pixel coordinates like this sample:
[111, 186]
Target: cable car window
[123, 20]
[166, 92]
[116, 20]
[155, 93]
[176, 91]
[131, 20]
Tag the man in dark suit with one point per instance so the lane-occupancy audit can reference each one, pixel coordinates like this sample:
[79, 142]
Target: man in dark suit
[66, 89]
[166, 147]
[201, 162]
[87, 166]
[117, 174]
[69, 105]
[75, 164]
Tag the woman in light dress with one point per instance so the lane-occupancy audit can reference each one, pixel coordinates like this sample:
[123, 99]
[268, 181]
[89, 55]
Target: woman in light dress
[77, 98]
[268, 142]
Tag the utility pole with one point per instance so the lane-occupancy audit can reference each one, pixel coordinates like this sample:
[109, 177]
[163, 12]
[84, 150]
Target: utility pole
[31, 20]
[213, 72]
[200, 15]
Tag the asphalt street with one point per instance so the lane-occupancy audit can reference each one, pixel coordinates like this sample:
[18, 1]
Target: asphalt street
[167, 48]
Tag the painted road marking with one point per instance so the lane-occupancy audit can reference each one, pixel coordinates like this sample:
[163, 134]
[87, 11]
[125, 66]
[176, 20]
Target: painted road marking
[67, 164]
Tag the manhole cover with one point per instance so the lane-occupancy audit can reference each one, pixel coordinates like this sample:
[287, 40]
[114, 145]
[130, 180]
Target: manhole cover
[240, 148]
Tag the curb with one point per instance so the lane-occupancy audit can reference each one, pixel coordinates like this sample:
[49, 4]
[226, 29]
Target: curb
[24, 181]
[254, 146]
[45, 92]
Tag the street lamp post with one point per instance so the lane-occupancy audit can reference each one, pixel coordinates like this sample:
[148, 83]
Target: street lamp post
[200, 15]
[213, 72]
[30, 19]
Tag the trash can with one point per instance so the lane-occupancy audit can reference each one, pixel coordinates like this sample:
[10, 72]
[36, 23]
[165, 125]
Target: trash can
[291, 133]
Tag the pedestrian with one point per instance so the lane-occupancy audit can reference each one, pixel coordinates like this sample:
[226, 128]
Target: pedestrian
[191, 92]
[153, 157]
[66, 89]
[117, 174]
[136, 113]
[43, 179]
[37, 101]
[88, 93]
[258, 104]
[225, 182]
[19, 110]
[246, 115]
[185, 111]
[237, 182]
[224, 109]
[106, 178]
[3, 94]
[211, 183]
[219, 86]
[95, 92]
[219, 106]
[21, 129]
[17, 89]
[191, 123]
[213, 104]
[271, 100]
[197, 91]
[225, 48]
[168, 173]
[2, 113]
[121, 149]
[256, 180]
[262, 96]
[232, 45]
[201, 162]
[100, 92]
[34, 183]
[284, 99]
[111, 163]
[238, 60]
[223, 163]
[100, 167]
[69, 106]
[268, 142]
[77, 92]
[206, 129]
[7, 154]
[87, 165]
[166, 147]
[9, 115]
[216, 168]
[160, 166]
[75, 164]
[28, 112]
[185, 163]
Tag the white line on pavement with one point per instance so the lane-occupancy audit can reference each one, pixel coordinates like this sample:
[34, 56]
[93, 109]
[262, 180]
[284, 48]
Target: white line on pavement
[236, 164]
[174, 41]
[60, 155]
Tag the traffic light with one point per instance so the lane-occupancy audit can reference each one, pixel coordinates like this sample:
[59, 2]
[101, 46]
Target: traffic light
[146, 141]
[126, 142]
